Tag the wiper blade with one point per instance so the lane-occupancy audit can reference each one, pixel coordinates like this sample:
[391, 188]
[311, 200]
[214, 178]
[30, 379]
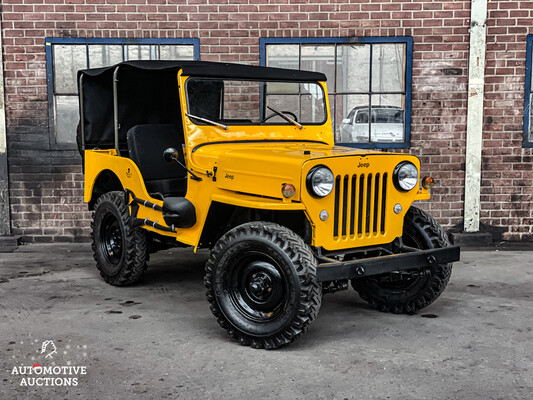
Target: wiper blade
[285, 117]
[208, 121]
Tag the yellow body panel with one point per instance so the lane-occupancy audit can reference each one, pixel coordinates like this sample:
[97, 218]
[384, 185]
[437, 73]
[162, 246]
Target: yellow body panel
[98, 161]
[379, 223]
[247, 166]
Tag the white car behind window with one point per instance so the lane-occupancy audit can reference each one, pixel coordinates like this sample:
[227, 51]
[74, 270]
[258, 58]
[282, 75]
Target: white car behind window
[387, 125]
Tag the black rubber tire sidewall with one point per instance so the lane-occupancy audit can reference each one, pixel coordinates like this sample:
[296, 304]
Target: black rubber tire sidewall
[298, 264]
[254, 244]
[423, 290]
[134, 254]
[101, 213]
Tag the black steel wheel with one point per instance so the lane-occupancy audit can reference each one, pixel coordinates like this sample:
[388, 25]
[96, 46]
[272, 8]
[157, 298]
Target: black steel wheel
[261, 283]
[410, 292]
[120, 250]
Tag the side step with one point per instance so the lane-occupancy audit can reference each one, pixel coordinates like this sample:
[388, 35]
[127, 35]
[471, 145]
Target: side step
[179, 211]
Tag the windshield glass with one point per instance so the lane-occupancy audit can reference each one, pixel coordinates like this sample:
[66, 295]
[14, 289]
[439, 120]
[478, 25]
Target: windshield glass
[232, 102]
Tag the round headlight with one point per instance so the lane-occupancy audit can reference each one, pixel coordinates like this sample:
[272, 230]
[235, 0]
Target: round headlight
[320, 181]
[405, 176]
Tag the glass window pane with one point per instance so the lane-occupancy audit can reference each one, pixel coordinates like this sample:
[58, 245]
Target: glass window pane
[282, 103]
[530, 118]
[308, 107]
[353, 68]
[68, 59]
[320, 59]
[351, 113]
[67, 118]
[283, 55]
[171, 52]
[241, 101]
[282, 87]
[104, 55]
[138, 52]
[388, 117]
[388, 67]
[312, 109]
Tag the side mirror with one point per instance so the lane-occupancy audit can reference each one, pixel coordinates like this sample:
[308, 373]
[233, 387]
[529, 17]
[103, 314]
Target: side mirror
[170, 155]
[347, 121]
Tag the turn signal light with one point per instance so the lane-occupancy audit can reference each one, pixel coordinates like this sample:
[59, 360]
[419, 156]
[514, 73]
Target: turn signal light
[428, 182]
[288, 190]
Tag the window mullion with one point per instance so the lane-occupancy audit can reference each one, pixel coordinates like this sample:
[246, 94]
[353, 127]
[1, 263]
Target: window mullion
[370, 73]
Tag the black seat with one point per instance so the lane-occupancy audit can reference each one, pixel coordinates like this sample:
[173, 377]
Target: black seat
[146, 144]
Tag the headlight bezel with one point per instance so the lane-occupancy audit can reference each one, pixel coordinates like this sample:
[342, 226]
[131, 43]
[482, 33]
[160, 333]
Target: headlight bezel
[309, 181]
[396, 177]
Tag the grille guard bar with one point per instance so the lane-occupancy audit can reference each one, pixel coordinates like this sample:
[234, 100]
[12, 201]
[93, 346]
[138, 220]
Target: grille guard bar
[333, 271]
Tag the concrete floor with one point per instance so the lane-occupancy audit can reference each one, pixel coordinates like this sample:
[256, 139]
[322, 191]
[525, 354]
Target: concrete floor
[158, 339]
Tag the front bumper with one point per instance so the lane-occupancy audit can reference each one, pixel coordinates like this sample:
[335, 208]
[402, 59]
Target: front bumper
[333, 271]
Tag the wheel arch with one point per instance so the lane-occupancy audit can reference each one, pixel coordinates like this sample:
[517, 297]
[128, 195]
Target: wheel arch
[223, 217]
[106, 181]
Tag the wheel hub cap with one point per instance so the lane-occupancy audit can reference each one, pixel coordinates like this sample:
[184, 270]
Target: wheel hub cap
[111, 242]
[260, 286]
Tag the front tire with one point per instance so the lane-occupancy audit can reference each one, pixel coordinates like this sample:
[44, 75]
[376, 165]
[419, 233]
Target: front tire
[410, 295]
[261, 283]
[120, 250]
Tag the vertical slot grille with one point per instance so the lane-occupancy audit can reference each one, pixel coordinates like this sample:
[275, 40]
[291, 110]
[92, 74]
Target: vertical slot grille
[353, 201]
[376, 205]
[337, 206]
[368, 203]
[360, 205]
[383, 203]
[344, 205]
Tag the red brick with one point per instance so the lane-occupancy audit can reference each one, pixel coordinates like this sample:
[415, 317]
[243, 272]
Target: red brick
[229, 30]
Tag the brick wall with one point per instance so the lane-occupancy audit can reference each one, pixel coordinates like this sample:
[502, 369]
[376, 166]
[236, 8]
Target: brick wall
[507, 180]
[46, 185]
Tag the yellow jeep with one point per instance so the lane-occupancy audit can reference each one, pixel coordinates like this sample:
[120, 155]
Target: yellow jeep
[241, 160]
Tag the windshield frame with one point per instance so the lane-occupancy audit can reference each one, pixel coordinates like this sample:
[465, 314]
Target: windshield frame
[262, 105]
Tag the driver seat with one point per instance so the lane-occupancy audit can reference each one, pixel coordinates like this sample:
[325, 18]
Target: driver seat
[146, 145]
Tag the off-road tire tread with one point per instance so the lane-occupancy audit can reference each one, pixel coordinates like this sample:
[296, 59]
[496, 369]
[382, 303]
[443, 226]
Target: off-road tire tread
[305, 263]
[136, 243]
[438, 281]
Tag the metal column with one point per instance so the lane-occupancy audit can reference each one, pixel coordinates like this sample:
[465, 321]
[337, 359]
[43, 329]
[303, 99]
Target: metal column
[474, 124]
[5, 221]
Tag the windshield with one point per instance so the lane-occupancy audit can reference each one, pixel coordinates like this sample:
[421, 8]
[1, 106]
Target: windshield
[236, 102]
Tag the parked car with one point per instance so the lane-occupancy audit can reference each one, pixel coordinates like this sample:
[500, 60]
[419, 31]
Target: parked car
[386, 125]
[241, 160]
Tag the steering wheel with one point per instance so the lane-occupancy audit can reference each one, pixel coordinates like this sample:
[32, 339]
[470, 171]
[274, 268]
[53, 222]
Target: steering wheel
[294, 117]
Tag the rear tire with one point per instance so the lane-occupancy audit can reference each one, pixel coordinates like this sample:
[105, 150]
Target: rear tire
[412, 294]
[261, 283]
[120, 251]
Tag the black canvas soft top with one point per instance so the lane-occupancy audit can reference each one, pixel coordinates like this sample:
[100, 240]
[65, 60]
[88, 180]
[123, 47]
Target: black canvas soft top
[216, 70]
[147, 93]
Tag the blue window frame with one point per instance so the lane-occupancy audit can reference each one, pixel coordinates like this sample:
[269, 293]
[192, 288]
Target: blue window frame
[369, 83]
[65, 56]
[528, 115]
